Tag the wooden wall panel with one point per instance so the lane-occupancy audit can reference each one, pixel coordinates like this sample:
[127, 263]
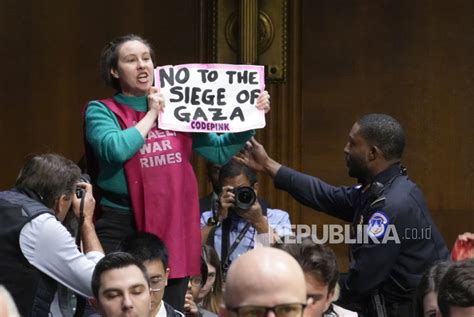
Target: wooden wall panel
[51, 54]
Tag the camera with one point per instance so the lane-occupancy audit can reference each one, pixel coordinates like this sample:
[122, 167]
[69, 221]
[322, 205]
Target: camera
[244, 197]
[80, 192]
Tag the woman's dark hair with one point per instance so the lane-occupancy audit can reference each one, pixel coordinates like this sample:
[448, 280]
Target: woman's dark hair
[430, 282]
[109, 58]
[204, 271]
[214, 298]
[49, 176]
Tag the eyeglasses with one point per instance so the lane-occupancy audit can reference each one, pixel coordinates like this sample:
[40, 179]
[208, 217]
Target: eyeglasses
[156, 284]
[283, 310]
[196, 280]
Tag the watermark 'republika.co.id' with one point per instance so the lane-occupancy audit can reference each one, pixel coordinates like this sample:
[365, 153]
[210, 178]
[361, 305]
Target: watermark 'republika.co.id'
[350, 234]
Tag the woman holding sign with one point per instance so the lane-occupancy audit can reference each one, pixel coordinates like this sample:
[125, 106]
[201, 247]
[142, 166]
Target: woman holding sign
[144, 174]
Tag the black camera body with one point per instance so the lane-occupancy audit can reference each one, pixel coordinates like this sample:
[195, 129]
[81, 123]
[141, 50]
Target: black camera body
[80, 192]
[245, 197]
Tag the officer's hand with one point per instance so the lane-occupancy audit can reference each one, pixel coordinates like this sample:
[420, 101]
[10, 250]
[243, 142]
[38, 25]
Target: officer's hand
[89, 202]
[226, 201]
[253, 155]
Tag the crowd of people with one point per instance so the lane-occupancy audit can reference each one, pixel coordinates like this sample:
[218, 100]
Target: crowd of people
[130, 240]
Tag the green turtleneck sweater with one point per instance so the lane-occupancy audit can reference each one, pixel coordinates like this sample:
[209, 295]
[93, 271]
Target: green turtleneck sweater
[113, 146]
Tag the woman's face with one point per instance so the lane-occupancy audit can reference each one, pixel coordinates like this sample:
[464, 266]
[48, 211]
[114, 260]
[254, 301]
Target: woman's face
[134, 68]
[430, 304]
[211, 278]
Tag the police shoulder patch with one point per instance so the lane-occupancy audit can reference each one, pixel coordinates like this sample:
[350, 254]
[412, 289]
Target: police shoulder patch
[377, 224]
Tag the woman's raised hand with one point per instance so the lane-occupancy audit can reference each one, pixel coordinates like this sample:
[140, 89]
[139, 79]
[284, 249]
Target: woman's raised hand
[156, 102]
[263, 101]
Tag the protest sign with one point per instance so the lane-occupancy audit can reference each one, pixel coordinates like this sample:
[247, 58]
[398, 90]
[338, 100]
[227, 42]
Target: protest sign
[210, 97]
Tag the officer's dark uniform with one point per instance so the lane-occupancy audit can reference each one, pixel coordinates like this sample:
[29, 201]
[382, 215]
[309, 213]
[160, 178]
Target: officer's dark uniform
[390, 269]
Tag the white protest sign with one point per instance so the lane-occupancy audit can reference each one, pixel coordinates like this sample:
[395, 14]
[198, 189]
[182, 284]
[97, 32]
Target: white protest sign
[210, 97]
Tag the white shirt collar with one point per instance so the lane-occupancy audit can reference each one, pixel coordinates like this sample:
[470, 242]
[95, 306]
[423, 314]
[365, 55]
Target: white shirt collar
[162, 310]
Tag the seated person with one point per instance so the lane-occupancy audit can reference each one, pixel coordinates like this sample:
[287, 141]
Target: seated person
[427, 290]
[240, 220]
[121, 286]
[36, 250]
[148, 249]
[456, 290]
[264, 282]
[210, 295]
[319, 266]
[195, 285]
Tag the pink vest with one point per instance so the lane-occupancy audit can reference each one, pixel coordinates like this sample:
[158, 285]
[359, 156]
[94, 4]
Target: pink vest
[163, 191]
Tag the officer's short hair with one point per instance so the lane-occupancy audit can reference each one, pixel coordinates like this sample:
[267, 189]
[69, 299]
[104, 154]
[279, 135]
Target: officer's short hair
[384, 132]
[49, 176]
[145, 246]
[234, 168]
[114, 260]
[457, 287]
[318, 260]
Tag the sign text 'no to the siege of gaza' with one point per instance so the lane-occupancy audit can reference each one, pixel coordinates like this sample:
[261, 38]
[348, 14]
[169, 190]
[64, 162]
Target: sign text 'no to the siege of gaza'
[210, 97]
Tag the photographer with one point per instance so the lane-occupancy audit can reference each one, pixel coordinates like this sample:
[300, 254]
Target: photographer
[240, 221]
[36, 249]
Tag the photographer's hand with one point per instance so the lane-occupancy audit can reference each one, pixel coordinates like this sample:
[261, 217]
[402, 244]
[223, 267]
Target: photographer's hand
[255, 217]
[89, 202]
[226, 201]
[90, 242]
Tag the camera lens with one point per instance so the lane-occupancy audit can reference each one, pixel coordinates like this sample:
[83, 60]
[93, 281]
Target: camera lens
[244, 197]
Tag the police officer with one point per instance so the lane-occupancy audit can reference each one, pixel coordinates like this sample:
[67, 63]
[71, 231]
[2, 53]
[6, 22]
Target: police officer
[396, 239]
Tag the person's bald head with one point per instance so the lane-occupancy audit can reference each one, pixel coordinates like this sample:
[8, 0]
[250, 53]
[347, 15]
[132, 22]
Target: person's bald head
[264, 277]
